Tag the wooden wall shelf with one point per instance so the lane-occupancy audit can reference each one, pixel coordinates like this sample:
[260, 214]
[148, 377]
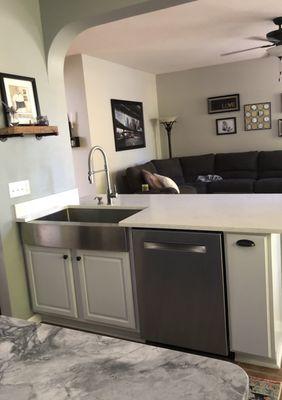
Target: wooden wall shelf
[36, 130]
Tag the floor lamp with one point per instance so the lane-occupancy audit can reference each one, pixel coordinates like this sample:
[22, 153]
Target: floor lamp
[168, 123]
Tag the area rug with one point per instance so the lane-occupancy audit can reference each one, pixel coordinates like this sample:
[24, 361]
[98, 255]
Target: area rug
[264, 389]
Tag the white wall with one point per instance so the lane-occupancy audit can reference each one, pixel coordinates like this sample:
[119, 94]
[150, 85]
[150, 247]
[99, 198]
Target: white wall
[77, 109]
[185, 94]
[105, 81]
[46, 163]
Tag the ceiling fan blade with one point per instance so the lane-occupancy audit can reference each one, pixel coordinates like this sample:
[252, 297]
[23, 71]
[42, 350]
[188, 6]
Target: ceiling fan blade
[243, 51]
[258, 38]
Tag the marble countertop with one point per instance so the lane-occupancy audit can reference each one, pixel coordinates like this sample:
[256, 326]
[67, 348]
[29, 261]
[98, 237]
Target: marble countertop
[244, 213]
[44, 362]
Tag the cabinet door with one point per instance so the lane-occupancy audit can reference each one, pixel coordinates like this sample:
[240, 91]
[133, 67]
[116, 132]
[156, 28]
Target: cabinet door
[106, 288]
[248, 294]
[51, 281]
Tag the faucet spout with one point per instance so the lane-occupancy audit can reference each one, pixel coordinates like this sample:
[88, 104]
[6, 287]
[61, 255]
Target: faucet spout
[92, 171]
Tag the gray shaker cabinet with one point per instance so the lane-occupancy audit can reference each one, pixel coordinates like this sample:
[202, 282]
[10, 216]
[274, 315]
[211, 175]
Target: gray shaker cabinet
[51, 281]
[100, 291]
[106, 288]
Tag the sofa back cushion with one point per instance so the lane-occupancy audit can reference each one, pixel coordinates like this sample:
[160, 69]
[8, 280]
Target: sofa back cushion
[170, 167]
[237, 165]
[135, 178]
[194, 166]
[270, 164]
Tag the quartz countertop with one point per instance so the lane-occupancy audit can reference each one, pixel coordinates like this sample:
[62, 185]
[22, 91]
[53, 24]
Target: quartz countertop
[246, 213]
[243, 213]
[44, 362]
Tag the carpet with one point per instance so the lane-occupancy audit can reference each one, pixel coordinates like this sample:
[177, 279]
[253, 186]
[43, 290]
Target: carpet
[264, 389]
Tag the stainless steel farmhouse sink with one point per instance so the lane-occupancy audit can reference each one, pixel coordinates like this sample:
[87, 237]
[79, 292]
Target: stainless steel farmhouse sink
[94, 215]
[79, 228]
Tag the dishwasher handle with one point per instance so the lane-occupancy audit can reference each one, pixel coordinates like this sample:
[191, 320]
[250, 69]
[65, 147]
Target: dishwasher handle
[182, 247]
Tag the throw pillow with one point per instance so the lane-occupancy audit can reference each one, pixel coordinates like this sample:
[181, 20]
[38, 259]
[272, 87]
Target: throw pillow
[152, 180]
[167, 182]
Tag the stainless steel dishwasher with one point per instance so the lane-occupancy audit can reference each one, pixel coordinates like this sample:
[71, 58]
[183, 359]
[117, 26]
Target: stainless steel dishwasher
[181, 289]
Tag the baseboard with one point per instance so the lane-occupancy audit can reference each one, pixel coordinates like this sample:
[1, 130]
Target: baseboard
[35, 318]
[94, 328]
[259, 361]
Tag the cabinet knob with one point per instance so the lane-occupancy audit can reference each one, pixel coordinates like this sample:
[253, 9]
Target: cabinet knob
[78, 258]
[65, 256]
[245, 243]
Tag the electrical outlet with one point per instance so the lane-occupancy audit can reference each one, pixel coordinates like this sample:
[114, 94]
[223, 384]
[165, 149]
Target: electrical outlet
[18, 189]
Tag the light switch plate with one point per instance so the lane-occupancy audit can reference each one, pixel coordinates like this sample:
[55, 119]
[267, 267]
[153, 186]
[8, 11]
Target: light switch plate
[18, 189]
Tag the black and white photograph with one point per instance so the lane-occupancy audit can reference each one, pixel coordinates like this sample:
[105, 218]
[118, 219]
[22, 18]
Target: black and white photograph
[128, 124]
[20, 93]
[226, 126]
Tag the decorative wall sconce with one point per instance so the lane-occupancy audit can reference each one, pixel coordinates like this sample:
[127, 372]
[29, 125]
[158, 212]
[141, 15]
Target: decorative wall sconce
[75, 140]
[168, 123]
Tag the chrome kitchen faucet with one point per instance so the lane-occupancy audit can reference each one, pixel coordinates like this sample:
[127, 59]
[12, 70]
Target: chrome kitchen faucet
[91, 172]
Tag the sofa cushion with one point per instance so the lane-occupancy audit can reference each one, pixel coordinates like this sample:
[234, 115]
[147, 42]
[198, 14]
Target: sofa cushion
[232, 186]
[200, 187]
[268, 185]
[135, 178]
[270, 164]
[194, 166]
[187, 189]
[237, 165]
[170, 167]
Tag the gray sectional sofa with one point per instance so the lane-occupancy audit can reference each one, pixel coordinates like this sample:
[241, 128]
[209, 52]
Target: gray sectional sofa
[247, 172]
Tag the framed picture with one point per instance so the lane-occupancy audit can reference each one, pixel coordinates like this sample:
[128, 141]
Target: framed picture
[221, 104]
[128, 123]
[21, 93]
[257, 116]
[280, 127]
[226, 126]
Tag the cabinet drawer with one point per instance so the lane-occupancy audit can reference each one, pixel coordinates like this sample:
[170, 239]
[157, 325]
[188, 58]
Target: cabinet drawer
[247, 258]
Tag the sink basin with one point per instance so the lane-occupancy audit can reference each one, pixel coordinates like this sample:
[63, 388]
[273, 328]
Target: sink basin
[79, 228]
[94, 215]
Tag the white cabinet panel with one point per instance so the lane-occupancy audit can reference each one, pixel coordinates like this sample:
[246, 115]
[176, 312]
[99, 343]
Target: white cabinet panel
[106, 288]
[248, 294]
[51, 281]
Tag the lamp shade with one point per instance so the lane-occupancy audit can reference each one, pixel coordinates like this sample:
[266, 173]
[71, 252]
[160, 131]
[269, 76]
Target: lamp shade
[167, 119]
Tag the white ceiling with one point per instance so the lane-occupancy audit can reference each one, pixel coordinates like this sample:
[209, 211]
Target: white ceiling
[183, 37]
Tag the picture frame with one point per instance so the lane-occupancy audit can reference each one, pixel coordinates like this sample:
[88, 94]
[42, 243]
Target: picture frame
[128, 124]
[226, 126]
[221, 104]
[21, 93]
[280, 127]
[257, 116]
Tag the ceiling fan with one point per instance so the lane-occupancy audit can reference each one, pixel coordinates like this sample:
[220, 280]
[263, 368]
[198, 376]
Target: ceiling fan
[274, 38]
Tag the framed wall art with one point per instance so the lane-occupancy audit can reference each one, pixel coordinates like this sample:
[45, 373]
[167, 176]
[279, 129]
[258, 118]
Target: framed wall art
[128, 124]
[257, 116]
[280, 127]
[221, 104]
[20, 93]
[226, 126]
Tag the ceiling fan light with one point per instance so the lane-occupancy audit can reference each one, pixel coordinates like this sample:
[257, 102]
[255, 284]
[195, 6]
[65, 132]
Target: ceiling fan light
[275, 51]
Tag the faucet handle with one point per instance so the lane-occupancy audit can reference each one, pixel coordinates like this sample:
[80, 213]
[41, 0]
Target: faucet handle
[100, 200]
